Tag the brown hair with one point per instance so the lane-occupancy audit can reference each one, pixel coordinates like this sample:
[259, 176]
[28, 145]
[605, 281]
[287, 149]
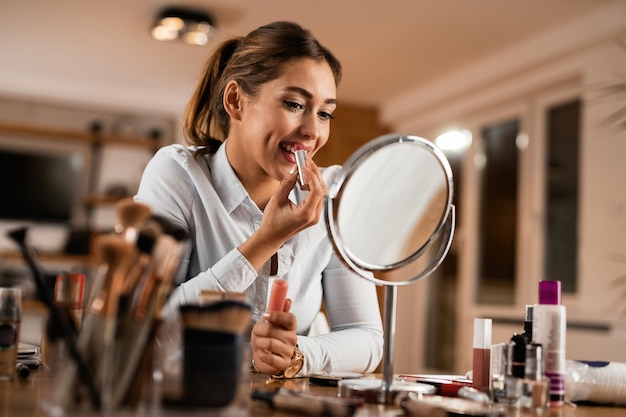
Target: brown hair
[252, 61]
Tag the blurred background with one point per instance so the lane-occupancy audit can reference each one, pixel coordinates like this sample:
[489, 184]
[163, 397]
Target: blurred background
[526, 97]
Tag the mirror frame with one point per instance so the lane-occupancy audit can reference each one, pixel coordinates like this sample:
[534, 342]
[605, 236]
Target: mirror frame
[447, 220]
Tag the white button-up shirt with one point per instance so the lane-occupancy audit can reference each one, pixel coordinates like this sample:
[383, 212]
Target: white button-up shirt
[202, 194]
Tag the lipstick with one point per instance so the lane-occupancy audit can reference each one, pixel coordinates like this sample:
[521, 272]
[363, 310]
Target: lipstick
[300, 155]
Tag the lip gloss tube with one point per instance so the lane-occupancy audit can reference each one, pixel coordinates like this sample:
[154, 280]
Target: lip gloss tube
[278, 295]
[300, 155]
[481, 354]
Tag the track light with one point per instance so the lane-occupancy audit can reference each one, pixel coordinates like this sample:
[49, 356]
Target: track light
[191, 26]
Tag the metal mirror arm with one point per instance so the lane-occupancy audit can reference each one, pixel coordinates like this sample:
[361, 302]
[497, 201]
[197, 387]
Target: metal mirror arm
[391, 291]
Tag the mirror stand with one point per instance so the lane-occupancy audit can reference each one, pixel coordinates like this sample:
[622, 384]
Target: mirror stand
[387, 389]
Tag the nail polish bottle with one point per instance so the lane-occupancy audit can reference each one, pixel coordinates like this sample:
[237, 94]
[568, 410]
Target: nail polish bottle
[535, 384]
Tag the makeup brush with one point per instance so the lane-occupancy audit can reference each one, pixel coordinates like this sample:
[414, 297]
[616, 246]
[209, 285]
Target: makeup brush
[131, 215]
[145, 242]
[59, 320]
[117, 254]
[141, 329]
[208, 296]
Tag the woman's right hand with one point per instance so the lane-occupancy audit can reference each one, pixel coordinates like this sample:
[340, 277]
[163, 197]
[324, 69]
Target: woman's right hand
[282, 219]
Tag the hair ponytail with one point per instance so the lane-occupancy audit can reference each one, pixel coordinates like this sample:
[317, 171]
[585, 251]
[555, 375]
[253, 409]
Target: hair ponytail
[206, 121]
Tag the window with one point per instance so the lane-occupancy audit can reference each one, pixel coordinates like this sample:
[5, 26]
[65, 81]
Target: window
[498, 214]
[562, 162]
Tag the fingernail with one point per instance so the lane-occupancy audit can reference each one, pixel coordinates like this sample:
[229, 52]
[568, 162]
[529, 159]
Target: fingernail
[293, 169]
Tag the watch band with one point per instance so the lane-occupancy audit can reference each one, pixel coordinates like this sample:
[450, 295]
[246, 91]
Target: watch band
[297, 361]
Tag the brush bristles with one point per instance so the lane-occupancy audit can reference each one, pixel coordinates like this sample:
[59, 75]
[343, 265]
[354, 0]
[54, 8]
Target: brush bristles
[148, 236]
[114, 250]
[222, 316]
[131, 213]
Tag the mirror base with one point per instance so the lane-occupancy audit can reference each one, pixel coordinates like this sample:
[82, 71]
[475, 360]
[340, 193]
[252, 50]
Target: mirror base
[371, 390]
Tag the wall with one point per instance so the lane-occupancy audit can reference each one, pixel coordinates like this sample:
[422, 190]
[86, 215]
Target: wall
[119, 165]
[586, 51]
[352, 127]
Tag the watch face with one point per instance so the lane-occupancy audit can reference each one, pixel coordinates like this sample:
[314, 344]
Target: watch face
[293, 369]
[296, 364]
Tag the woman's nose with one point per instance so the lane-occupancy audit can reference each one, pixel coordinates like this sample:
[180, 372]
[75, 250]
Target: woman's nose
[310, 127]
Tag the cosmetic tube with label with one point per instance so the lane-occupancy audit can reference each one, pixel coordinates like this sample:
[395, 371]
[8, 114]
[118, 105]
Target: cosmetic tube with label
[549, 327]
[481, 354]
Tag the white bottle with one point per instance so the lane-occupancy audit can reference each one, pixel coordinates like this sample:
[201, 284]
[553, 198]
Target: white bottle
[549, 329]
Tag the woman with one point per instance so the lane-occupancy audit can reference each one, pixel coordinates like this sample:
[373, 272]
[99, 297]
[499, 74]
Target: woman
[261, 97]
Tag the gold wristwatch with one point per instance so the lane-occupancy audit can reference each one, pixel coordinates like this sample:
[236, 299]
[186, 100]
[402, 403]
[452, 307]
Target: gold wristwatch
[297, 361]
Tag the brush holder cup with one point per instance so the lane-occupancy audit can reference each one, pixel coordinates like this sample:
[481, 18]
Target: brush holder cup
[211, 362]
[213, 356]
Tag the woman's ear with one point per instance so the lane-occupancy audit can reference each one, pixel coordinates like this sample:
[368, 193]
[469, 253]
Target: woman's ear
[232, 100]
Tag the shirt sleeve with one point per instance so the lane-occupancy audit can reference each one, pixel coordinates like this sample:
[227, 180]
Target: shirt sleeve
[168, 186]
[355, 343]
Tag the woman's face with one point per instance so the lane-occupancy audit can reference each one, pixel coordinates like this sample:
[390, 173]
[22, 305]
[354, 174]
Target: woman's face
[291, 112]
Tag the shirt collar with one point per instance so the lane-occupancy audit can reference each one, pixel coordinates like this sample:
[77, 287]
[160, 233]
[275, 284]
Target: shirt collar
[227, 185]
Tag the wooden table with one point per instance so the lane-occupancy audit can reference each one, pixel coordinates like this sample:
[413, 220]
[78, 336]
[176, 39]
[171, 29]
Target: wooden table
[23, 398]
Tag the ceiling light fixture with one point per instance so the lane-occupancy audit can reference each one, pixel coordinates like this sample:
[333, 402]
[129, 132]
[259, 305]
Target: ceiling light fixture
[191, 26]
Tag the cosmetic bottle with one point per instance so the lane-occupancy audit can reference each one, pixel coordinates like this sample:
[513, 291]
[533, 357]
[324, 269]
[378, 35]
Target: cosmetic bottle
[497, 370]
[506, 389]
[549, 327]
[518, 355]
[535, 384]
[528, 324]
[481, 354]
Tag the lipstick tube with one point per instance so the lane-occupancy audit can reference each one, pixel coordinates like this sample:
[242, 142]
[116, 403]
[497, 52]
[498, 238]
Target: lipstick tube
[300, 162]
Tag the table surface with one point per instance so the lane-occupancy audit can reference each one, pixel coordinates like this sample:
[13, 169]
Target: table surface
[24, 397]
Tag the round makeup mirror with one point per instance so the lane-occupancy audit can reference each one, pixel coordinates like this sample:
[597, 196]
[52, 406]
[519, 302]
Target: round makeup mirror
[391, 208]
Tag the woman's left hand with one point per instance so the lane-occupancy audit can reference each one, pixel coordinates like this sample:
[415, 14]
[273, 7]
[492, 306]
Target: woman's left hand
[274, 340]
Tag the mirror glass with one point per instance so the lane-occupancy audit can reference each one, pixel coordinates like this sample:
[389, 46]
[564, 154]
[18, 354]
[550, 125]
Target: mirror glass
[389, 203]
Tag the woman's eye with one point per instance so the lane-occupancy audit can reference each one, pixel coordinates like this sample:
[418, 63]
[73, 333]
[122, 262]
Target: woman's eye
[325, 115]
[293, 105]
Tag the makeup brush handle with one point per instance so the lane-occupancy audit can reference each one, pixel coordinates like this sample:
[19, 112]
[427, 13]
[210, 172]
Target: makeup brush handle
[59, 320]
